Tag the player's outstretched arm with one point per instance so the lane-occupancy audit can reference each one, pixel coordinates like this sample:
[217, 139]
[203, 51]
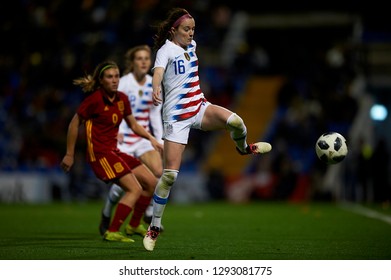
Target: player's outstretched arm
[73, 131]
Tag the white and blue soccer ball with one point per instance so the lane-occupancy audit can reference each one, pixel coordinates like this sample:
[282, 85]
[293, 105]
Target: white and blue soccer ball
[331, 148]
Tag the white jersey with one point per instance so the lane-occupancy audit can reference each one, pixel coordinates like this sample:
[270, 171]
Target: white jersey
[181, 84]
[146, 114]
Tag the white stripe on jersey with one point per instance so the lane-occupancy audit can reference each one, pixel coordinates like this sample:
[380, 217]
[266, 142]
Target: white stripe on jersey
[143, 110]
[181, 83]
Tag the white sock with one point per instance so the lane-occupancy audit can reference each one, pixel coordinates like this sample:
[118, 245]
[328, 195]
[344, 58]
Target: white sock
[238, 131]
[162, 192]
[115, 194]
[149, 210]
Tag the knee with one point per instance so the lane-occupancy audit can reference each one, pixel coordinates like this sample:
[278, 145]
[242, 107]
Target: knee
[166, 182]
[168, 179]
[130, 184]
[169, 176]
[158, 172]
[134, 190]
[138, 191]
[236, 122]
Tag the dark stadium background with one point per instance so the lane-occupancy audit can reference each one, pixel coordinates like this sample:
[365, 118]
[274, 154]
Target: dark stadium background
[334, 61]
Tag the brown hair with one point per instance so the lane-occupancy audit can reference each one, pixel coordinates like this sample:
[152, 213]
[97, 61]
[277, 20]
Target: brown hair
[163, 29]
[90, 83]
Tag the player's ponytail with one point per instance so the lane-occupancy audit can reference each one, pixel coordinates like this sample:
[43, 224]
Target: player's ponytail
[164, 28]
[90, 83]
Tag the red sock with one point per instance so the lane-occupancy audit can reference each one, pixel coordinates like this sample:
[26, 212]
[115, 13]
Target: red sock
[139, 209]
[120, 215]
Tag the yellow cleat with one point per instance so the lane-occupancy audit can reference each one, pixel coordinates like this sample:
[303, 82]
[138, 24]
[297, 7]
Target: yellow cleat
[116, 236]
[140, 230]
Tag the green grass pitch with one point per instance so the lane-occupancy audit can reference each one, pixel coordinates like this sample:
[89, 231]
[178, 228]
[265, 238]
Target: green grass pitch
[201, 231]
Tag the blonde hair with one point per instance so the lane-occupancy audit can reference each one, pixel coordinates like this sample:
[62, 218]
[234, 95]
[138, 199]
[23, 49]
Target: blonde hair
[130, 55]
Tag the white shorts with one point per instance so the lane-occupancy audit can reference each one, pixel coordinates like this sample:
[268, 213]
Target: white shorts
[179, 131]
[137, 149]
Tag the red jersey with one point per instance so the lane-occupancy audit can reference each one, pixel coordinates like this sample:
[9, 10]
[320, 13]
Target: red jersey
[102, 119]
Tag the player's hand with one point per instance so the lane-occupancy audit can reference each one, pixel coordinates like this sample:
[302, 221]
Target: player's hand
[120, 138]
[67, 163]
[156, 97]
[158, 146]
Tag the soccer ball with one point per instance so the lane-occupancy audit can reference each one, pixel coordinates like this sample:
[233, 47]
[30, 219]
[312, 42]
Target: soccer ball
[331, 147]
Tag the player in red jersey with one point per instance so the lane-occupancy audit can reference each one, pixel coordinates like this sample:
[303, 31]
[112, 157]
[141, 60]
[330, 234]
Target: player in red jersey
[102, 112]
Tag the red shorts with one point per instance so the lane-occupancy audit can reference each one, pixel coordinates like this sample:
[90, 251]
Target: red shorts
[113, 165]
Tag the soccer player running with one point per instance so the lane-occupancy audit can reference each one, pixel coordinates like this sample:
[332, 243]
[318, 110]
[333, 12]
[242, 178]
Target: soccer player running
[101, 112]
[175, 75]
[136, 83]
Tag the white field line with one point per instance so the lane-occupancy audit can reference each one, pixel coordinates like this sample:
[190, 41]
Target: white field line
[358, 209]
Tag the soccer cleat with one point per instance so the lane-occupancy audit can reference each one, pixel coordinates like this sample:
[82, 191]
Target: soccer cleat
[116, 236]
[104, 224]
[140, 230]
[150, 238]
[256, 148]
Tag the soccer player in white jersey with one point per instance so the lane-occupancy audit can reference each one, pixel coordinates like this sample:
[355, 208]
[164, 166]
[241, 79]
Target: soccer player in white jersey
[136, 83]
[176, 85]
